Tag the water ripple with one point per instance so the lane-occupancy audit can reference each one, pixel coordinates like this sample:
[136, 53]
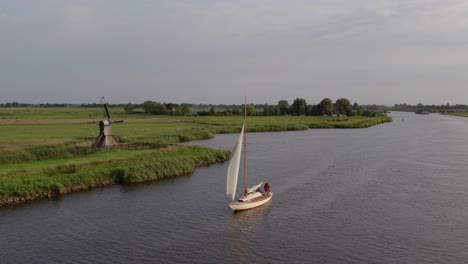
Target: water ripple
[396, 193]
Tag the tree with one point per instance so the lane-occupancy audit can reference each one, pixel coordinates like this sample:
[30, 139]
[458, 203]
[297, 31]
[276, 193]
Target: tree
[148, 106]
[237, 111]
[267, 110]
[357, 110]
[171, 106]
[275, 111]
[283, 106]
[185, 110]
[129, 108]
[315, 110]
[299, 107]
[326, 107]
[154, 108]
[343, 107]
[159, 109]
[250, 110]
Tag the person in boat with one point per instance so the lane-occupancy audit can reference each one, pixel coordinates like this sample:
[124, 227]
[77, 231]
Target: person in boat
[259, 190]
[266, 187]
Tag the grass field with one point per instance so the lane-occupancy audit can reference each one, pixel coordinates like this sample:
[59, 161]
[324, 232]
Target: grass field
[35, 160]
[21, 127]
[464, 114]
[61, 113]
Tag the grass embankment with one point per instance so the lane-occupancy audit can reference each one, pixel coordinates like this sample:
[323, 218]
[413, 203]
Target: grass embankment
[286, 123]
[35, 161]
[24, 127]
[20, 183]
[464, 114]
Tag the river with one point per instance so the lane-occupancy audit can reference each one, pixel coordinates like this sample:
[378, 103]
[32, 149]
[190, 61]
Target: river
[393, 193]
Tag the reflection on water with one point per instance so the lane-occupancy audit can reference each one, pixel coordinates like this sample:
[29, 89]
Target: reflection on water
[245, 229]
[395, 193]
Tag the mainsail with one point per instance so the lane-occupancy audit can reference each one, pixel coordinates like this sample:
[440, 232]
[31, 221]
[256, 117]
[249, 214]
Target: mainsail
[233, 169]
[254, 188]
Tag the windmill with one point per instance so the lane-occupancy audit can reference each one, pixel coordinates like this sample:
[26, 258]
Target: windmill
[106, 138]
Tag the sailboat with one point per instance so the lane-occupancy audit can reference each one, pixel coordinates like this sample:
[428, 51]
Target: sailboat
[254, 196]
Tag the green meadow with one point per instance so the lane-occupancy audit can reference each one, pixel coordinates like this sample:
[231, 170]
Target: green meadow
[36, 157]
[464, 114]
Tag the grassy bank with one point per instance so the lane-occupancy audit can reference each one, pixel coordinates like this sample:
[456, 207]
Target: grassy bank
[25, 129]
[55, 177]
[464, 114]
[35, 143]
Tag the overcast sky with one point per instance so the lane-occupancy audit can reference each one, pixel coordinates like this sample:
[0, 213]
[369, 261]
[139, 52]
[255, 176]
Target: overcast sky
[215, 51]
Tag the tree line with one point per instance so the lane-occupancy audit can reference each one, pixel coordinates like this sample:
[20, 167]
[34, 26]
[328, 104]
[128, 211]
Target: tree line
[443, 108]
[299, 107]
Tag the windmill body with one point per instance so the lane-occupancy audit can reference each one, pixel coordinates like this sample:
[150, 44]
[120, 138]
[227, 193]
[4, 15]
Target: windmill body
[106, 138]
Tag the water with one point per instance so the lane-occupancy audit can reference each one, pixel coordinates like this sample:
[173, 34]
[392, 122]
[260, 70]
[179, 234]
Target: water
[394, 193]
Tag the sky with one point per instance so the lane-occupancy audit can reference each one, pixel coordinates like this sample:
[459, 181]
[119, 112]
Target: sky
[217, 51]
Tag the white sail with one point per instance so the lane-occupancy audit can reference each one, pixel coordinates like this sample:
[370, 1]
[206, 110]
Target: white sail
[254, 188]
[233, 169]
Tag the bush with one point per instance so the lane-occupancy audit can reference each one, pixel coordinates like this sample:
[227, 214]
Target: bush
[57, 188]
[48, 152]
[15, 157]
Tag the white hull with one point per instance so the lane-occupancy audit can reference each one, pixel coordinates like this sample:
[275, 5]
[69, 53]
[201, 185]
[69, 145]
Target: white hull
[238, 206]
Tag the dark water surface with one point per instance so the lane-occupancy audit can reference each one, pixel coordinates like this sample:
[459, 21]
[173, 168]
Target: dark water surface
[395, 193]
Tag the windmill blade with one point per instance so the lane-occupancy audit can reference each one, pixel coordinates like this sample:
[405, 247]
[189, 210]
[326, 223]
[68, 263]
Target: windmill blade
[107, 111]
[103, 102]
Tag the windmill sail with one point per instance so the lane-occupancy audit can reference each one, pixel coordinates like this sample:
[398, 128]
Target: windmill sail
[107, 111]
[233, 169]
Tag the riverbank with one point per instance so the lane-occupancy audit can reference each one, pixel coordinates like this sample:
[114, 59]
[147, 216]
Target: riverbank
[52, 178]
[38, 157]
[463, 114]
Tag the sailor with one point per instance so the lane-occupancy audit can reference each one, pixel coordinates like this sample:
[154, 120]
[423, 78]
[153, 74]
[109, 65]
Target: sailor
[266, 187]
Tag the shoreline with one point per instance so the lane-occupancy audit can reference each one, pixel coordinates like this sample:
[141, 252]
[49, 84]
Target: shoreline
[181, 162]
[34, 172]
[14, 201]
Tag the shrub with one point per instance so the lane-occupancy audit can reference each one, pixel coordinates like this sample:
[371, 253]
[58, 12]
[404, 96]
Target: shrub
[48, 152]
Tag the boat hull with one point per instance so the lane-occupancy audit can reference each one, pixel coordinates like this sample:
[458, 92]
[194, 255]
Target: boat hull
[239, 206]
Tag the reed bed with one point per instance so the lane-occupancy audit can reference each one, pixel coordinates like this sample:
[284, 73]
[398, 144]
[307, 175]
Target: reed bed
[65, 175]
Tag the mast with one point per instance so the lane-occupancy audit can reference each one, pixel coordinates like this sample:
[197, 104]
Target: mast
[245, 145]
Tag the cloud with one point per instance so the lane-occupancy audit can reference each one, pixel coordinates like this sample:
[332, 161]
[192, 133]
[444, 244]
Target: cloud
[79, 20]
[4, 18]
[300, 48]
[8, 22]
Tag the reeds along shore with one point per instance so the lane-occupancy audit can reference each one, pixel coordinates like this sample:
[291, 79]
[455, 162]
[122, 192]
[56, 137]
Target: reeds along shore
[57, 179]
